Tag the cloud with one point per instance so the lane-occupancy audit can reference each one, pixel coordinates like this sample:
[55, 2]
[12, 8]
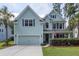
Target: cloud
[13, 4]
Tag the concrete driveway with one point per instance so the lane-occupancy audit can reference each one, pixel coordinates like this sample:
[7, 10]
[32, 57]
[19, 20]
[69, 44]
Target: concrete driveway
[22, 50]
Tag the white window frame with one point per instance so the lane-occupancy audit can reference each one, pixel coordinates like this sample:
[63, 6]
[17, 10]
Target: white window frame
[32, 23]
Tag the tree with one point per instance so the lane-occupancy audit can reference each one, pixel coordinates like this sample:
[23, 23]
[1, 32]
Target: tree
[6, 19]
[57, 7]
[70, 10]
[77, 18]
[11, 24]
[72, 23]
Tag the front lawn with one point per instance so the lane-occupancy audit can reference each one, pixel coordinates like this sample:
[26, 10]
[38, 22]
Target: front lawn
[60, 51]
[2, 44]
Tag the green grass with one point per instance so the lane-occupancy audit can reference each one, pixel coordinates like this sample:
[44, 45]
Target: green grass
[60, 51]
[2, 44]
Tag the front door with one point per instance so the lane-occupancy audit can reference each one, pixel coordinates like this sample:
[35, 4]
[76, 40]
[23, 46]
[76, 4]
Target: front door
[46, 38]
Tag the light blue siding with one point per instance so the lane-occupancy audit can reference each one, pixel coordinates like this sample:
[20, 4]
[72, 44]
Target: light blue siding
[28, 30]
[3, 34]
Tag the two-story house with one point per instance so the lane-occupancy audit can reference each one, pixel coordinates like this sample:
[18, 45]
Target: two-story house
[54, 26]
[30, 29]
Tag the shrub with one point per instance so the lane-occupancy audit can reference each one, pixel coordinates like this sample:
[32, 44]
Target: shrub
[64, 42]
[11, 39]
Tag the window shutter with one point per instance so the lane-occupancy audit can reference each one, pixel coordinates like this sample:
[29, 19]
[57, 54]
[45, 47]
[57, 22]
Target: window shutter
[33, 22]
[22, 22]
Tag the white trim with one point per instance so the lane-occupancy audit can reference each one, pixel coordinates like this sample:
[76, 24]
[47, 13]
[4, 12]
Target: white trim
[28, 35]
[61, 31]
[68, 35]
[56, 14]
[14, 34]
[17, 39]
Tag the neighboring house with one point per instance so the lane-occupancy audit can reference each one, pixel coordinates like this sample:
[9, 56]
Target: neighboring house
[3, 31]
[30, 29]
[55, 27]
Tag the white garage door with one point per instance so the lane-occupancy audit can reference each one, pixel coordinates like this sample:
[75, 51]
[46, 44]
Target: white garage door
[29, 40]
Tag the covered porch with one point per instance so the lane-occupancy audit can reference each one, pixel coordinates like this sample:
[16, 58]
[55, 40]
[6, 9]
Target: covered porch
[47, 35]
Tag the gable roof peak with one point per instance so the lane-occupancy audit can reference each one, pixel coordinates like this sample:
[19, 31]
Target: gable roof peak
[24, 10]
[28, 6]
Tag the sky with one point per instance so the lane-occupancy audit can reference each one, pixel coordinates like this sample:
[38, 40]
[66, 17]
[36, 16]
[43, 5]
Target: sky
[40, 8]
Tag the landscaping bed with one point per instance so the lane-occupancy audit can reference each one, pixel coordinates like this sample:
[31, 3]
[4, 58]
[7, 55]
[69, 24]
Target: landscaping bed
[3, 44]
[64, 42]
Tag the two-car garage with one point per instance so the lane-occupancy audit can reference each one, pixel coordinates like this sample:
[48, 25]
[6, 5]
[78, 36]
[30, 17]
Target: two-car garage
[29, 40]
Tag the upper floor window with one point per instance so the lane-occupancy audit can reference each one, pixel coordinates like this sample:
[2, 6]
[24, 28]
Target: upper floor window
[54, 26]
[60, 26]
[28, 22]
[53, 16]
[47, 25]
[1, 30]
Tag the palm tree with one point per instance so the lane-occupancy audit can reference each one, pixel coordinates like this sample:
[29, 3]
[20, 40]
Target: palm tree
[77, 18]
[6, 19]
[72, 23]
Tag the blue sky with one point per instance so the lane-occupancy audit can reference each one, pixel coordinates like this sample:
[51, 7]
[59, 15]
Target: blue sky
[40, 8]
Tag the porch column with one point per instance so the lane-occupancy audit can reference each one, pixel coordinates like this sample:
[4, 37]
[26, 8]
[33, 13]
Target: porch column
[56, 26]
[69, 35]
[53, 36]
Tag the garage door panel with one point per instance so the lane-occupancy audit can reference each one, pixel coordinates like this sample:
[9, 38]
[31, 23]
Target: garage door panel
[29, 40]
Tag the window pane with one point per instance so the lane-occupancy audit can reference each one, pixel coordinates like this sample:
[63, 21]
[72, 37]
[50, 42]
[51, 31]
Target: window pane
[26, 22]
[60, 26]
[2, 30]
[30, 22]
[54, 26]
[47, 25]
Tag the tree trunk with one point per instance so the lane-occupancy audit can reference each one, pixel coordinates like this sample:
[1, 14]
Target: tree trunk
[6, 27]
